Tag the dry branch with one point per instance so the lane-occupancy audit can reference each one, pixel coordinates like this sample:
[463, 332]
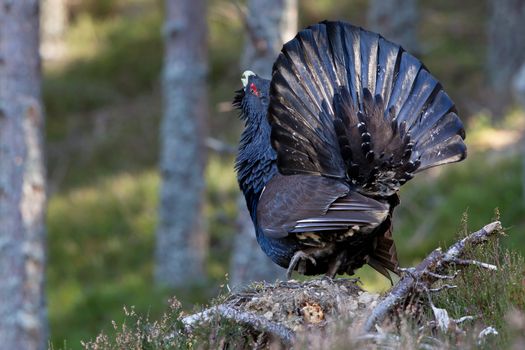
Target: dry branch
[429, 271]
[251, 319]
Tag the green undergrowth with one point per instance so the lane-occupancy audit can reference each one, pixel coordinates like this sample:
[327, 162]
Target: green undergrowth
[112, 60]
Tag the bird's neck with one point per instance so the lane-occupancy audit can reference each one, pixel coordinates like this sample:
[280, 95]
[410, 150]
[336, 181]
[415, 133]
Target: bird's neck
[255, 163]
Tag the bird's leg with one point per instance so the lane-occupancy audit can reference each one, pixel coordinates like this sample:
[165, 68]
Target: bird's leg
[298, 257]
[335, 264]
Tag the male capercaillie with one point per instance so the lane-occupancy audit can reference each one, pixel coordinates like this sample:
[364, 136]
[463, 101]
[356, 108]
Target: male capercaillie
[346, 119]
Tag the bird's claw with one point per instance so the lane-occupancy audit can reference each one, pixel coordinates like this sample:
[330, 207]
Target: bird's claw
[299, 257]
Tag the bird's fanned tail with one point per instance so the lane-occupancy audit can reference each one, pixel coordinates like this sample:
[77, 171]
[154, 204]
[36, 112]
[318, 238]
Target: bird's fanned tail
[346, 103]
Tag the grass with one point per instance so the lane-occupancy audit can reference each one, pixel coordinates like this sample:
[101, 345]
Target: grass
[109, 61]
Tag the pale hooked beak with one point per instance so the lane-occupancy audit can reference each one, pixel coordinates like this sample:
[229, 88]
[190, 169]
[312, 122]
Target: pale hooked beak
[245, 76]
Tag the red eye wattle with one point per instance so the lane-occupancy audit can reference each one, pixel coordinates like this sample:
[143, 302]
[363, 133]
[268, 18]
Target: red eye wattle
[254, 90]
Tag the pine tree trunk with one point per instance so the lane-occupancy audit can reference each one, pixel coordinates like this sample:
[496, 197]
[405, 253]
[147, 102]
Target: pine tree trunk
[22, 180]
[506, 49]
[396, 20]
[269, 25]
[181, 234]
[518, 89]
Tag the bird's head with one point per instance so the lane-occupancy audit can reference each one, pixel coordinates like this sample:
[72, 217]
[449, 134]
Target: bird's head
[253, 98]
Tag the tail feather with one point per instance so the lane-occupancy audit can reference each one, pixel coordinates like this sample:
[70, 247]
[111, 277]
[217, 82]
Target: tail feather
[388, 68]
[347, 103]
[384, 255]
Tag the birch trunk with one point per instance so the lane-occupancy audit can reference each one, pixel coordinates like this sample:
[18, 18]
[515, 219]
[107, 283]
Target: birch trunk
[181, 234]
[22, 180]
[269, 24]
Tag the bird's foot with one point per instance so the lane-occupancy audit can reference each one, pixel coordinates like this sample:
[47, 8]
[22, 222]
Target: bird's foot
[299, 261]
[335, 264]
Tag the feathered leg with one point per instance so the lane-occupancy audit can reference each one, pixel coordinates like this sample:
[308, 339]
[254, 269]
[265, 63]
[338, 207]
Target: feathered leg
[300, 258]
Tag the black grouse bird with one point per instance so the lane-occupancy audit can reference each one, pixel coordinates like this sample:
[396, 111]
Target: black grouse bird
[347, 118]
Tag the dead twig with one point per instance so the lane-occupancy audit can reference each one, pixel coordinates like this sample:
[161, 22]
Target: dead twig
[432, 268]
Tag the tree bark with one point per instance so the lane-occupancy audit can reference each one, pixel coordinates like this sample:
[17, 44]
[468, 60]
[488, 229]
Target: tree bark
[396, 20]
[269, 24]
[181, 234]
[506, 48]
[22, 180]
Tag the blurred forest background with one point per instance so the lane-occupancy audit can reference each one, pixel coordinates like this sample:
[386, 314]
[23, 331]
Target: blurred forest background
[102, 91]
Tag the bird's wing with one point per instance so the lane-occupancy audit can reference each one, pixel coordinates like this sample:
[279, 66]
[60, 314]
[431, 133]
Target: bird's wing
[347, 103]
[303, 203]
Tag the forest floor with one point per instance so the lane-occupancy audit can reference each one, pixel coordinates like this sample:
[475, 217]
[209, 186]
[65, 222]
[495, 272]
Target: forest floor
[329, 313]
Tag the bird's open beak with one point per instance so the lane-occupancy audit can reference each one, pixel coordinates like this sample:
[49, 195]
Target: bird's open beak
[244, 78]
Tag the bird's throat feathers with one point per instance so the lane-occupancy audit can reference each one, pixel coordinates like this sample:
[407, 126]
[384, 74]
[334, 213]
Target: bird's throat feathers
[256, 159]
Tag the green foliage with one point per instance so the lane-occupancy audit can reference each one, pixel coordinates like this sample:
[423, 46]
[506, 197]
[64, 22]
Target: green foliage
[100, 253]
[138, 332]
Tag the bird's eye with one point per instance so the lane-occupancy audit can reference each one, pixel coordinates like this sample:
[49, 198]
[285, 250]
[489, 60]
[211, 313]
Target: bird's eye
[253, 89]
[264, 99]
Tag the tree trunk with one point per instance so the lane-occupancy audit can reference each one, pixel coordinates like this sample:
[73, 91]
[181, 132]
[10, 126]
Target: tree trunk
[249, 263]
[518, 89]
[22, 180]
[181, 234]
[269, 25]
[53, 28]
[396, 20]
[506, 48]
